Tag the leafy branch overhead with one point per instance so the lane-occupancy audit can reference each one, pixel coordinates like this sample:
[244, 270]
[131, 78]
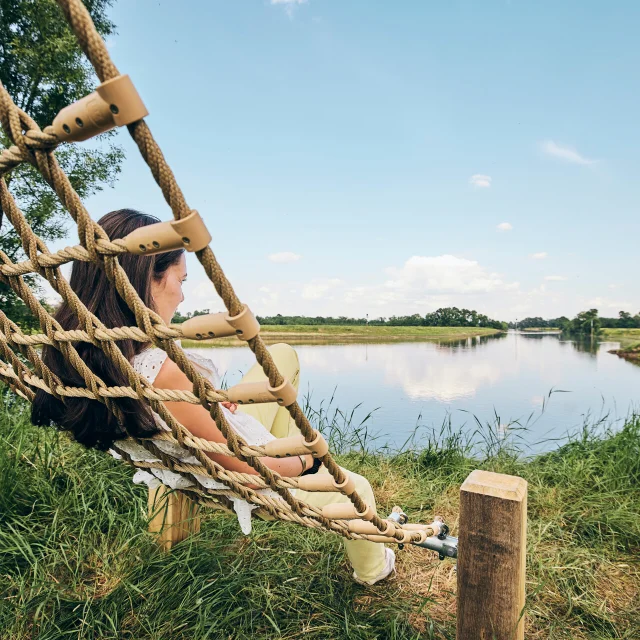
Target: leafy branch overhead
[44, 70]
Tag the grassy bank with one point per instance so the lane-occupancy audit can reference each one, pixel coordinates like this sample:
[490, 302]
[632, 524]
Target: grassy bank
[626, 337]
[339, 334]
[76, 562]
[629, 340]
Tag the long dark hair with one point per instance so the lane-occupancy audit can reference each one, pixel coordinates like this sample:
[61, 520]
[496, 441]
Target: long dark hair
[90, 421]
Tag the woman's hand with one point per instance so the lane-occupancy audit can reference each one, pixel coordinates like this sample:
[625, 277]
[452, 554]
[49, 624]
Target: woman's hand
[232, 406]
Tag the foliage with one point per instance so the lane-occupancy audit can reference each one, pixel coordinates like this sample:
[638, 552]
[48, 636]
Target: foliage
[581, 324]
[624, 321]
[43, 69]
[454, 317]
[539, 323]
[585, 323]
[76, 561]
[449, 317]
[180, 318]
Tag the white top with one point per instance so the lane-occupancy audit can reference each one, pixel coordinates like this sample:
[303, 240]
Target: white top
[148, 364]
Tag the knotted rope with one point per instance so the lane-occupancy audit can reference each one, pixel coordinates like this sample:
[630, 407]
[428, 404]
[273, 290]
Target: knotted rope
[35, 146]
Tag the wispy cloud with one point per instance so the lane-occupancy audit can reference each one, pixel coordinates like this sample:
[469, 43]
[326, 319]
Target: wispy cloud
[481, 181]
[566, 153]
[284, 256]
[555, 278]
[318, 287]
[289, 5]
[541, 255]
[505, 226]
[606, 303]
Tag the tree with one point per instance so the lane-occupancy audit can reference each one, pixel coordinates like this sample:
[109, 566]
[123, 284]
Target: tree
[44, 70]
[625, 320]
[584, 323]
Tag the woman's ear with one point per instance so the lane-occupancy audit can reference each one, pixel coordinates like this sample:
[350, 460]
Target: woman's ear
[155, 292]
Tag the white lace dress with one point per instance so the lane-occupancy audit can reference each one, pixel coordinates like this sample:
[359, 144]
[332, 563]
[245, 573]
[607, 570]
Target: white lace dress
[148, 364]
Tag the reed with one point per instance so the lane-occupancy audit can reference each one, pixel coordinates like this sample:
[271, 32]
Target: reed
[76, 561]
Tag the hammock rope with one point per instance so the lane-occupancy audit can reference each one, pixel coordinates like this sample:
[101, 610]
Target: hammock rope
[36, 146]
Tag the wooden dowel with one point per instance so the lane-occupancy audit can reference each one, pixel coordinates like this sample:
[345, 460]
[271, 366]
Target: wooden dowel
[492, 557]
[173, 517]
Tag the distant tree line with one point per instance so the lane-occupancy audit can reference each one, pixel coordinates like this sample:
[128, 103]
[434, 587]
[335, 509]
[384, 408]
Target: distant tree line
[582, 324]
[539, 323]
[446, 317]
[179, 318]
[624, 321]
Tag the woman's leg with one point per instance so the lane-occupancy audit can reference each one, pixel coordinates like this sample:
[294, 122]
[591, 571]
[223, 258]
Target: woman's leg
[271, 415]
[367, 558]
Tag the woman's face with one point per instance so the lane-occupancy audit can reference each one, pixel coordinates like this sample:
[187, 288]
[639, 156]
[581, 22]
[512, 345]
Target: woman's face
[167, 292]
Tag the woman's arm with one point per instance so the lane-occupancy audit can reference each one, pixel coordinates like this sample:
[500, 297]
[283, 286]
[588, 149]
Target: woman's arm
[198, 421]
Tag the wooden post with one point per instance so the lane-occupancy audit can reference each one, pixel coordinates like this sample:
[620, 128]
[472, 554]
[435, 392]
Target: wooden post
[492, 557]
[173, 517]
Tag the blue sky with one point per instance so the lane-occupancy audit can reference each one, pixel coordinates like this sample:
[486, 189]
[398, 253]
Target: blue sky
[390, 158]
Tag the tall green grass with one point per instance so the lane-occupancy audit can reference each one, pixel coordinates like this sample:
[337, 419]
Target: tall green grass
[76, 561]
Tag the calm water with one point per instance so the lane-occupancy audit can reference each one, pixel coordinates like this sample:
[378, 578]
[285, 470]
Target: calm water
[420, 385]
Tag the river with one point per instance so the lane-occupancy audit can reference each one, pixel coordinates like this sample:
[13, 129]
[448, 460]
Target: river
[534, 388]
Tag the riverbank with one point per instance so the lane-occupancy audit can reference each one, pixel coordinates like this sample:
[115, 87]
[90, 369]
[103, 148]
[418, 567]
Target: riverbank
[629, 340]
[631, 353]
[75, 558]
[345, 334]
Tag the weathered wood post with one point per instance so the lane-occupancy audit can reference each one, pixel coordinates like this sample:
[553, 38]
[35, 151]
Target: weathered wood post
[492, 557]
[173, 516]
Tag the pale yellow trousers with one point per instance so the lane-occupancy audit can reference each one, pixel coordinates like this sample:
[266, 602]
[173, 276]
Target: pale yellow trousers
[367, 558]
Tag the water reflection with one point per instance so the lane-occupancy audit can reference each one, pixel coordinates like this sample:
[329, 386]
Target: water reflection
[585, 345]
[470, 343]
[442, 374]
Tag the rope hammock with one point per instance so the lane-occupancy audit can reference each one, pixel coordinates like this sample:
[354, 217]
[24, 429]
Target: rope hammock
[116, 103]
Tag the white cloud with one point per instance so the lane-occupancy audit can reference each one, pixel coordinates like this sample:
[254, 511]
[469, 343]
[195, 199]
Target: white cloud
[615, 286]
[565, 153]
[555, 278]
[481, 181]
[443, 274]
[289, 5]
[504, 226]
[284, 256]
[318, 287]
[605, 303]
[539, 256]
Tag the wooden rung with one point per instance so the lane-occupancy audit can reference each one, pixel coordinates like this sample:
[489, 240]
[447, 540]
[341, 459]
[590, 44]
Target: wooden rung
[189, 233]
[363, 526]
[173, 517]
[295, 446]
[317, 482]
[346, 511]
[221, 325]
[262, 392]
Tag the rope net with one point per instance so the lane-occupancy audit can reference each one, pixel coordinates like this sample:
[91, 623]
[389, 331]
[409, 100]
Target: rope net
[22, 368]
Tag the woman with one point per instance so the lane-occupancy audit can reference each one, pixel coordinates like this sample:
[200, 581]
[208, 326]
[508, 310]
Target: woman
[158, 280]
